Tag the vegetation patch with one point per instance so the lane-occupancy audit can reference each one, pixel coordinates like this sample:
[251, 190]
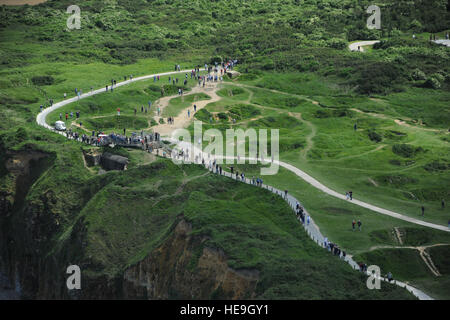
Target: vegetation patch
[406, 150]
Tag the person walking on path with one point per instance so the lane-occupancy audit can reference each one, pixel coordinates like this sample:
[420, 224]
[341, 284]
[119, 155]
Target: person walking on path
[285, 194]
[307, 220]
[359, 225]
[347, 196]
[350, 193]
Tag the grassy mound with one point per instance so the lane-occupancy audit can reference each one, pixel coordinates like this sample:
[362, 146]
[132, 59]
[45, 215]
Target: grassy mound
[116, 122]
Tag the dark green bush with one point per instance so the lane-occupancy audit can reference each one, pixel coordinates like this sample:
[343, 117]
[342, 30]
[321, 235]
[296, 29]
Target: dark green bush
[42, 80]
[406, 150]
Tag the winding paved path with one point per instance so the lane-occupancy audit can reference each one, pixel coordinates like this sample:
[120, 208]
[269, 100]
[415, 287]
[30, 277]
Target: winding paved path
[312, 229]
[41, 120]
[361, 44]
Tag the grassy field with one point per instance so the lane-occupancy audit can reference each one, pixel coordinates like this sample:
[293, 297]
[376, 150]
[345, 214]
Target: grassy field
[297, 76]
[407, 265]
[255, 229]
[176, 105]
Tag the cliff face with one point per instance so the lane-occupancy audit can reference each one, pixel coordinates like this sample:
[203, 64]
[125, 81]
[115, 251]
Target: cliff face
[23, 229]
[176, 271]
[182, 267]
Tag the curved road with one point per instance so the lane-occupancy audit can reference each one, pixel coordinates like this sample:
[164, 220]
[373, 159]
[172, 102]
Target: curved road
[312, 229]
[354, 46]
[41, 120]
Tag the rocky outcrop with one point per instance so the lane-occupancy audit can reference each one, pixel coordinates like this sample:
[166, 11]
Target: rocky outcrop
[19, 237]
[183, 268]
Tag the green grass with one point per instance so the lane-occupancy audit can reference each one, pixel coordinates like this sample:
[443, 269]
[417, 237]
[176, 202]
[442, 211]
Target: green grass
[176, 105]
[294, 66]
[256, 230]
[407, 265]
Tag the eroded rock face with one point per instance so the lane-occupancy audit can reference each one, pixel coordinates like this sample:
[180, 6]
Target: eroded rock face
[20, 227]
[169, 272]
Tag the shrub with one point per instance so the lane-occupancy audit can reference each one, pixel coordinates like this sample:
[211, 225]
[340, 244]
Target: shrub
[432, 83]
[321, 114]
[374, 136]
[438, 77]
[436, 166]
[418, 74]
[42, 80]
[337, 43]
[406, 150]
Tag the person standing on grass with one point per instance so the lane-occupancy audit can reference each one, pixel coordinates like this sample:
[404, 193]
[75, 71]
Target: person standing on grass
[65, 95]
[442, 203]
[355, 127]
[60, 116]
[353, 224]
[423, 211]
[359, 225]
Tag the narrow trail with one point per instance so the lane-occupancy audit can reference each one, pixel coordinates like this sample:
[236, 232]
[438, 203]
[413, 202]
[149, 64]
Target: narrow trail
[398, 121]
[309, 137]
[182, 120]
[426, 257]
